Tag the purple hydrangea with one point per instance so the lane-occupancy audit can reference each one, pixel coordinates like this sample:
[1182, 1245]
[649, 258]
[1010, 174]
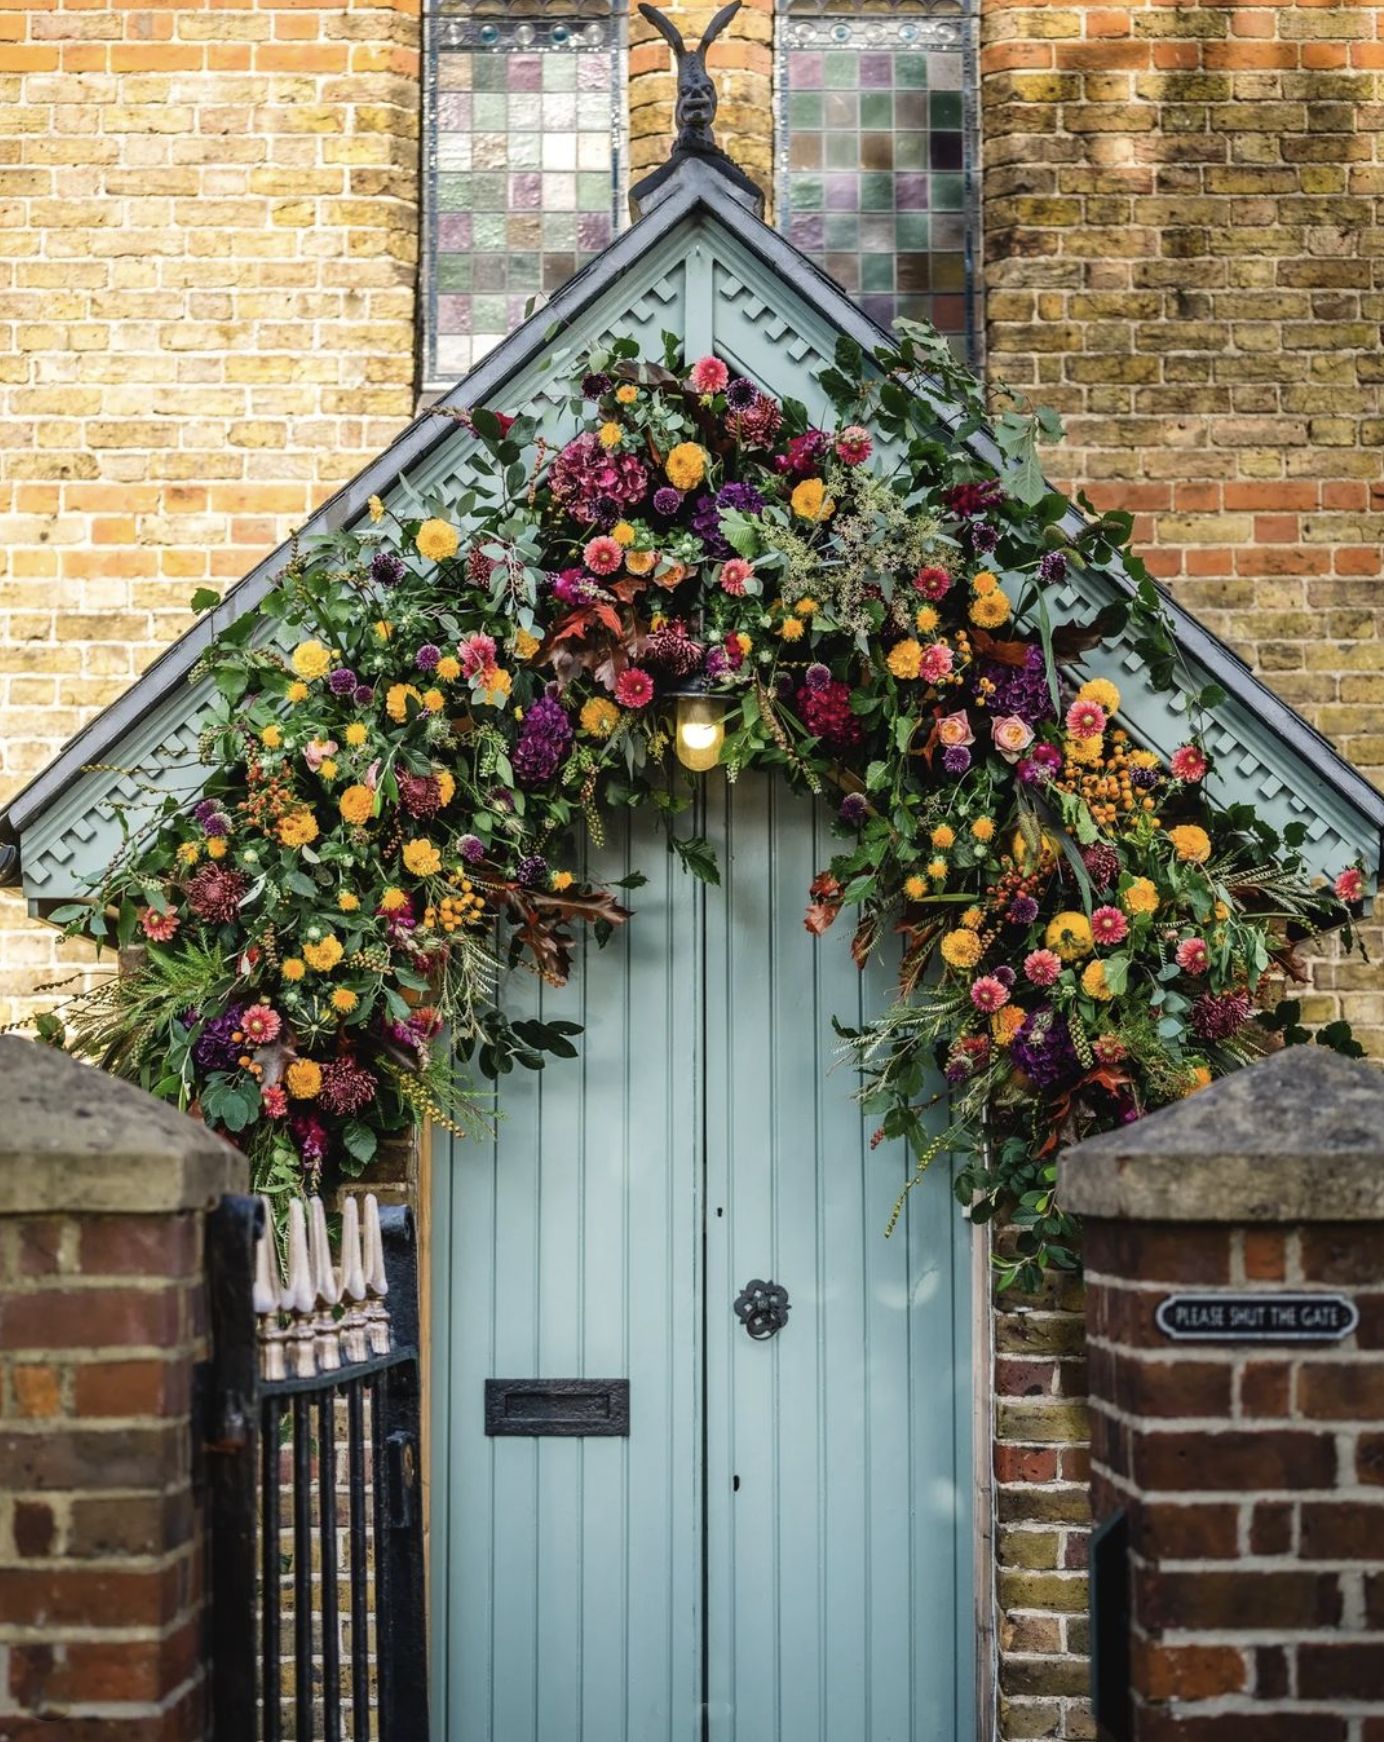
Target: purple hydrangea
[543, 743]
[1043, 1049]
[667, 500]
[427, 657]
[741, 496]
[706, 523]
[214, 1049]
[386, 569]
[717, 662]
[532, 871]
[1039, 766]
[956, 759]
[854, 810]
[741, 394]
[342, 682]
[1021, 690]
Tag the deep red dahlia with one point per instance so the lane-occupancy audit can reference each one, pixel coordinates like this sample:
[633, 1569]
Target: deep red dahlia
[420, 794]
[1102, 862]
[758, 426]
[347, 1086]
[673, 650]
[214, 893]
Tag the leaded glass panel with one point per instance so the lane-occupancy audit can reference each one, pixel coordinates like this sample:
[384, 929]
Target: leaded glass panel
[874, 156]
[524, 165]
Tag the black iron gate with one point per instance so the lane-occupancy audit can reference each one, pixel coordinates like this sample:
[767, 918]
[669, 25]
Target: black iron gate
[317, 1628]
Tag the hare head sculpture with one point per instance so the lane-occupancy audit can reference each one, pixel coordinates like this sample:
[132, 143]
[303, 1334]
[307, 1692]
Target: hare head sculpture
[696, 106]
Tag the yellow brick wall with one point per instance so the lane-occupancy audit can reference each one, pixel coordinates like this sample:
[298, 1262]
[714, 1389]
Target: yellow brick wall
[208, 238]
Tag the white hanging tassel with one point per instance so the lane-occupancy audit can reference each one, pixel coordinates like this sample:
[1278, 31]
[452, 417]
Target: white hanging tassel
[376, 1285]
[326, 1287]
[300, 1297]
[355, 1338]
[268, 1300]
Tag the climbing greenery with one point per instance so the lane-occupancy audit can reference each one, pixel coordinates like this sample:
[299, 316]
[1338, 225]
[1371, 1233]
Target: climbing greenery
[414, 732]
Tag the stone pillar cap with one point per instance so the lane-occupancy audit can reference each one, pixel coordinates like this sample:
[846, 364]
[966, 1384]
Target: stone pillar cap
[74, 1138]
[1295, 1137]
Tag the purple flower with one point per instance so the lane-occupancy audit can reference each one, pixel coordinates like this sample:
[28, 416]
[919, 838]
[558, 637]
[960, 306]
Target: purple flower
[427, 657]
[854, 810]
[1023, 910]
[310, 1135]
[471, 848]
[981, 537]
[1053, 568]
[741, 394]
[1005, 975]
[717, 662]
[363, 695]
[1043, 1049]
[202, 810]
[956, 759]
[1144, 778]
[1039, 766]
[667, 500]
[531, 871]
[706, 523]
[214, 1050]
[216, 824]
[741, 496]
[817, 676]
[543, 743]
[386, 569]
[596, 385]
[1021, 690]
[342, 682]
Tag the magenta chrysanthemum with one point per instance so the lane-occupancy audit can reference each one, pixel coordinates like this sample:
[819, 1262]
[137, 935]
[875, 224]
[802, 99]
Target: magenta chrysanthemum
[347, 1087]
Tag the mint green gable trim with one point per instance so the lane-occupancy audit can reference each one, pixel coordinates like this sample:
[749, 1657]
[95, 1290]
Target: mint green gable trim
[706, 283]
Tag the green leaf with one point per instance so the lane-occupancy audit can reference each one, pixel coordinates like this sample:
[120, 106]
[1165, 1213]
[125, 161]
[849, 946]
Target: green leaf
[1117, 973]
[359, 1139]
[697, 856]
[203, 599]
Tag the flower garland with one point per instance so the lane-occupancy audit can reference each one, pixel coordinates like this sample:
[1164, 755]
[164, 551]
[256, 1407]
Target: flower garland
[419, 723]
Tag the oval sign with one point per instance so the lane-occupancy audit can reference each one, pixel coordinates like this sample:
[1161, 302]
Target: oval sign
[1261, 1317]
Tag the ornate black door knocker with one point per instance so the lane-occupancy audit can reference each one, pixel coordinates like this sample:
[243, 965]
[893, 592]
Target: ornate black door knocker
[762, 1307]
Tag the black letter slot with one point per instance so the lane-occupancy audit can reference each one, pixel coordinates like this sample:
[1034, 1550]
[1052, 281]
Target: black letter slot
[567, 1407]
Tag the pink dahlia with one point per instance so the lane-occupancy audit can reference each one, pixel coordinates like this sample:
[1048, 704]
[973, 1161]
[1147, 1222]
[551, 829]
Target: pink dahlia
[989, 993]
[936, 662]
[260, 1024]
[603, 555]
[854, 445]
[1109, 1049]
[932, 583]
[477, 654]
[1042, 966]
[1086, 719]
[735, 574]
[1193, 957]
[708, 375]
[159, 927]
[1350, 885]
[275, 1101]
[1187, 763]
[634, 688]
[1109, 925]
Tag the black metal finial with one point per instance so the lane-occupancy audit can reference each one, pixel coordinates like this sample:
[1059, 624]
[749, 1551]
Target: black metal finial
[696, 107]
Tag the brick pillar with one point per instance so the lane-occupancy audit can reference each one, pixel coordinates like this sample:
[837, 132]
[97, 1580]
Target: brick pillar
[103, 1191]
[1251, 1470]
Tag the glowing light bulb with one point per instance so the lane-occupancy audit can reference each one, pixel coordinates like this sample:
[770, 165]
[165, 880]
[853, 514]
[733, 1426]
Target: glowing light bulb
[700, 731]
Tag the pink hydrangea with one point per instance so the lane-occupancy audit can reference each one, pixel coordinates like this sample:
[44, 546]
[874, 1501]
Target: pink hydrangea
[708, 375]
[1042, 966]
[989, 993]
[1109, 925]
[936, 662]
[1187, 763]
[261, 1025]
[854, 445]
[1193, 957]
[1350, 885]
[1085, 719]
[603, 555]
[634, 688]
[735, 574]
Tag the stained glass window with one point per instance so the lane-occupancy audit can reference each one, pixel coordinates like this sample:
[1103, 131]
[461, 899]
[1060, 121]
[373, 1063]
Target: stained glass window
[874, 158]
[524, 165]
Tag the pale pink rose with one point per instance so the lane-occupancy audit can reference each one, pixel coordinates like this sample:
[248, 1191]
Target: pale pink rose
[936, 662]
[317, 752]
[955, 729]
[1011, 735]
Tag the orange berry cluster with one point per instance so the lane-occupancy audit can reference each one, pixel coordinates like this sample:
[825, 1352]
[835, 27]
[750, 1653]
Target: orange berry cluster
[454, 911]
[1001, 895]
[270, 798]
[1105, 784]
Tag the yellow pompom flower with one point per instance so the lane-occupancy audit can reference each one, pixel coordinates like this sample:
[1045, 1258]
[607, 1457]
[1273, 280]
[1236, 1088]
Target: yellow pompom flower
[327, 769]
[1093, 982]
[791, 629]
[1084, 751]
[1102, 692]
[915, 887]
[1199, 1077]
[926, 619]
[1142, 759]
[599, 717]
[1140, 897]
[347, 902]
[905, 658]
[985, 582]
[434, 701]
[437, 540]
[311, 660]
[983, 829]
[973, 918]
[937, 868]
[685, 466]
[189, 853]
[344, 1000]
[743, 642]
[1006, 1023]
[324, 954]
[1191, 843]
[943, 836]
[298, 828]
[383, 630]
[610, 435]
[990, 610]
[627, 393]
[271, 737]
[961, 948]
[498, 683]
[304, 1079]
[376, 508]
[622, 532]
[563, 880]
[446, 786]
[806, 607]
[292, 968]
[217, 847]
[448, 668]
[393, 899]
[357, 805]
[422, 858]
[298, 691]
[525, 645]
[810, 501]
[397, 699]
[356, 734]
[1070, 935]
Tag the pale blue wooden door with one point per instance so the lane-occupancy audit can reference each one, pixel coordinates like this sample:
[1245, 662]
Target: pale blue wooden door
[780, 1551]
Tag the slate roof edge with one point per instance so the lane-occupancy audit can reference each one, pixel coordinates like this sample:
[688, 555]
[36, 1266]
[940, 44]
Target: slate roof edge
[698, 185]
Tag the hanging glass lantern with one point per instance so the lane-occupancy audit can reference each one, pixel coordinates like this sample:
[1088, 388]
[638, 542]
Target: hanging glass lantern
[699, 728]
